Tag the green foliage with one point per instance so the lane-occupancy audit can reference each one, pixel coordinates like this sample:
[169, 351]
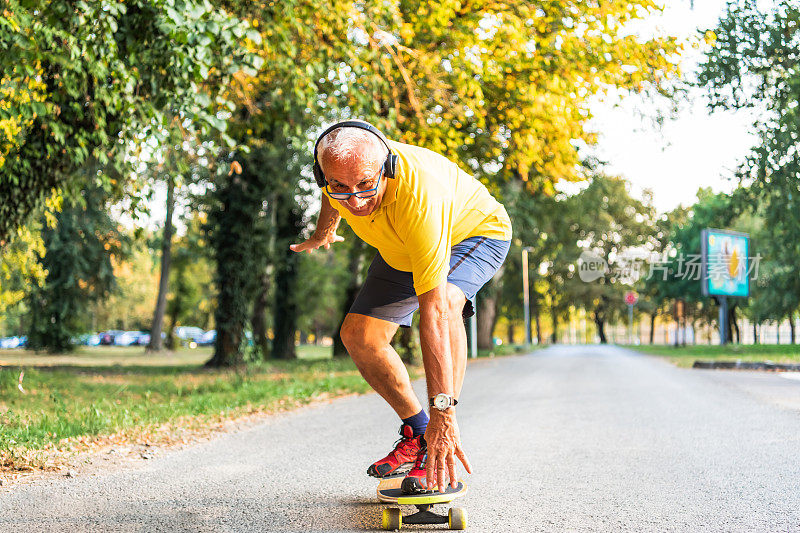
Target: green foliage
[603, 218]
[685, 356]
[78, 260]
[752, 63]
[500, 85]
[608, 221]
[191, 289]
[324, 278]
[129, 303]
[230, 233]
[19, 266]
[83, 81]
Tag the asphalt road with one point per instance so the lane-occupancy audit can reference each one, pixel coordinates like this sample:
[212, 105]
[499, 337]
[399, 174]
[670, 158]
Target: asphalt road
[566, 439]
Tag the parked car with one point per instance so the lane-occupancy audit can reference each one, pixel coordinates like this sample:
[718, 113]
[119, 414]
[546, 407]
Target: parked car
[208, 338]
[128, 338]
[107, 337]
[8, 343]
[188, 333]
[87, 339]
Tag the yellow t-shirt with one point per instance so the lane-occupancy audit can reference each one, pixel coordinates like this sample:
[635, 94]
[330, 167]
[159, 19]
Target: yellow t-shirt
[428, 207]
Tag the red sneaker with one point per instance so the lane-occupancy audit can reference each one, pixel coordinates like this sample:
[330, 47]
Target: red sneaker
[415, 480]
[401, 458]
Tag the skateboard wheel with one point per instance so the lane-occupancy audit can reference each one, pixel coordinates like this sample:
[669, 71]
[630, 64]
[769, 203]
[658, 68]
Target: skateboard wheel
[392, 519]
[457, 518]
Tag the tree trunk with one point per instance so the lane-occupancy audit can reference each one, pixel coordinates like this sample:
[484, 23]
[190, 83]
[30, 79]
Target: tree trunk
[172, 342]
[729, 325]
[601, 327]
[355, 264]
[554, 317]
[652, 327]
[536, 316]
[600, 321]
[510, 332]
[289, 226]
[259, 320]
[755, 334]
[791, 329]
[155, 344]
[487, 316]
[226, 349]
[677, 333]
[233, 239]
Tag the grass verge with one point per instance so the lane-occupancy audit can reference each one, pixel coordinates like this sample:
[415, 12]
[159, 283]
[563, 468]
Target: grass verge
[685, 356]
[63, 406]
[507, 349]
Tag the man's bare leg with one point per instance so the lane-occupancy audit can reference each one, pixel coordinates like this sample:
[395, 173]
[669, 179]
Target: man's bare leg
[458, 335]
[368, 341]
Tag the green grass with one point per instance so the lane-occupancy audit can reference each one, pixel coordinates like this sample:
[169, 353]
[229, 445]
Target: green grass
[685, 356]
[110, 391]
[507, 349]
[131, 356]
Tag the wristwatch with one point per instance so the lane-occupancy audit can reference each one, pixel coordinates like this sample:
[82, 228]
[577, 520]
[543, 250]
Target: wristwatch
[443, 401]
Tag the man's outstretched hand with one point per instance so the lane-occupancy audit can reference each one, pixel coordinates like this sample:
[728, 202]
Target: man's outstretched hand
[444, 445]
[316, 241]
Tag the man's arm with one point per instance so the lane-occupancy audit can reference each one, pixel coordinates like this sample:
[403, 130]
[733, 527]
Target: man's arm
[434, 333]
[325, 234]
[442, 435]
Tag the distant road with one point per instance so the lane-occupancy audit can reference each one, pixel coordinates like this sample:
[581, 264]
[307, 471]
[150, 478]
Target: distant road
[569, 438]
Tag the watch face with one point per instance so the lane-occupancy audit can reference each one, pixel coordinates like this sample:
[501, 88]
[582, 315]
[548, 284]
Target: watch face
[441, 401]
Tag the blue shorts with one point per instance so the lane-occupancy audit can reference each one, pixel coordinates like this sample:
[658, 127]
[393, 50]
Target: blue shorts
[388, 293]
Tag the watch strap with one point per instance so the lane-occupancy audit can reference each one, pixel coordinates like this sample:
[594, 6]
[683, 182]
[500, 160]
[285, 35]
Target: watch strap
[453, 401]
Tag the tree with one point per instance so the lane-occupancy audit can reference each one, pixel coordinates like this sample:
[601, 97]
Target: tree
[654, 290]
[609, 222]
[676, 279]
[19, 266]
[357, 264]
[752, 62]
[155, 343]
[77, 258]
[492, 86]
[129, 303]
[304, 43]
[502, 88]
[141, 63]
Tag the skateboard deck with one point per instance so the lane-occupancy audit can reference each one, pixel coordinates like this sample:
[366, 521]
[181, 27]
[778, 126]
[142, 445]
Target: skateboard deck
[389, 492]
[387, 485]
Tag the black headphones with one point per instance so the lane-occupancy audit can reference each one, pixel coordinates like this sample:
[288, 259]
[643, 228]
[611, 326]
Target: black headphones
[389, 166]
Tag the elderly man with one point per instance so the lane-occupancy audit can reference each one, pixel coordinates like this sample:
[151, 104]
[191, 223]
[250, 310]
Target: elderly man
[440, 237]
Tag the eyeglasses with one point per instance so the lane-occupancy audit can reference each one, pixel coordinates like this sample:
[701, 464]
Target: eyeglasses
[369, 193]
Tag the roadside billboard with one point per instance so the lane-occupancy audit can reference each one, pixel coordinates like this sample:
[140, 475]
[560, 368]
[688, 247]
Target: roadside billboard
[725, 263]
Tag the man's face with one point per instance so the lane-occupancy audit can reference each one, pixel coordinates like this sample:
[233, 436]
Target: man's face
[353, 176]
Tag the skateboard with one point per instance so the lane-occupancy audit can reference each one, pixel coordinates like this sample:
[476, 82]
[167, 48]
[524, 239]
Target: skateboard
[393, 519]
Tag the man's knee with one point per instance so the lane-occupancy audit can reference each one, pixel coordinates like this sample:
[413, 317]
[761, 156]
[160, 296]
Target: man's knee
[360, 331]
[351, 332]
[455, 301]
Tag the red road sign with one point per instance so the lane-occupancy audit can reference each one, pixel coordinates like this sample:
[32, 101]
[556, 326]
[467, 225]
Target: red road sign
[631, 298]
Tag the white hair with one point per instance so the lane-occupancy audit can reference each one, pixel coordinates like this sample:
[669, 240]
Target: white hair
[350, 144]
